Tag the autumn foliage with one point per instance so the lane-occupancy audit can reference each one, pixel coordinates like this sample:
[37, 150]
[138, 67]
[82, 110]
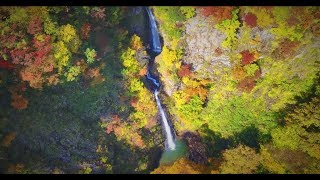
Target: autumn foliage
[286, 49]
[85, 30]
[35, 25]
[247, 57]
[238, 73]
[6, 65]
[185, 70]
[250, 19]
[232, 117]
[181, 166]
[7, 140]
[123, 131]
[113, 124]
[242, 160]
[136, 42]
[140, 98]
[219, 13]
[247, 84]
[35, 72]
[31, 56]
[143, 71]
[17, 100]
[98, 13]
[92, 74]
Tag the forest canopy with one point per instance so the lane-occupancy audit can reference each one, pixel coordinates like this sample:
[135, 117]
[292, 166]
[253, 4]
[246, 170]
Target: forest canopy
[240, 87]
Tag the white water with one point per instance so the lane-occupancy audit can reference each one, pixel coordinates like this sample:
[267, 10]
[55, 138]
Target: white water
[152, 79]
[170, 141]
[155, 45]
[156, 48]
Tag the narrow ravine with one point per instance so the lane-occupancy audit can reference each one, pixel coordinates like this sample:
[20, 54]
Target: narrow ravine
[155, 48]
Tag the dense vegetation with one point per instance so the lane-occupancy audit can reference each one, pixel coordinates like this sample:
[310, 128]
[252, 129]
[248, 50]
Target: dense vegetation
[241, 86]
[264, 99]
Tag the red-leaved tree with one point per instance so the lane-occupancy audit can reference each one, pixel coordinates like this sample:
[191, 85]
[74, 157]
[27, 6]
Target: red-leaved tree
[219, 13]
[85, 30]
[249, 82]
[6, 64]
[98, 12]
[247, 57]
[35, 25]
[185, 70]
[250, 19]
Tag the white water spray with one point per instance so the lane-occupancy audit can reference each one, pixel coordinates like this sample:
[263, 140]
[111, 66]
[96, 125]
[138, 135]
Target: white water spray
[170, 141]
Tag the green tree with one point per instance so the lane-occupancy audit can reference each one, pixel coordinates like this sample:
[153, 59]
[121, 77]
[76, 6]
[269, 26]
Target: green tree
[189, 113]
[301, 130]
[169, 16]
[72, 73]
[62, 55]
[287, 79]
[229, 27]
[240, 160]
[129, 62]
[230, 116]
[141, 99]
[188, 11]
[50, 27]
[67, 33]
[270, 163]
[90, 54]
[251, 69]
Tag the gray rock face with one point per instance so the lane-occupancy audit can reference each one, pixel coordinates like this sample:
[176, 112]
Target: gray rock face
[200, 42]
[202, 39]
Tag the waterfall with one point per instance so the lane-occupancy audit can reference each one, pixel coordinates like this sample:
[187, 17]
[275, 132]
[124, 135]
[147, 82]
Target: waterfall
[170, 141]
[155, 40]
[155, 47]
[154, 81]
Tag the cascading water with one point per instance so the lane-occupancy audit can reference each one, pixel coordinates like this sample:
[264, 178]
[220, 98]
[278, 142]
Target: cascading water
[155, 48]
[170, 140]
[155, 40]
